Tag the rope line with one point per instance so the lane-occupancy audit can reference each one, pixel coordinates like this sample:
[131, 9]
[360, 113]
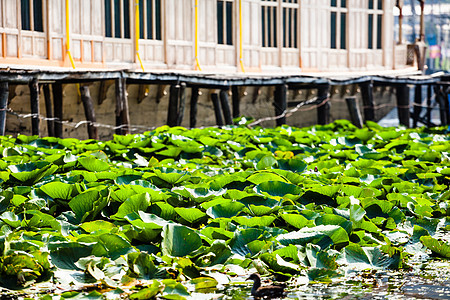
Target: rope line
[313, 103]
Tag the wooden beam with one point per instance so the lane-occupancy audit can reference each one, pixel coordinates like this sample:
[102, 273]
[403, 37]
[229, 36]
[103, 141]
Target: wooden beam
[182, 103]
[236, 99]
[323, 110]
[417, 104]
[368, 103]
[226, 107]
[89, 112]
[161, 92]
[58, 108]
[4, 94]
[193, 110]
[142, 92]
[280, 103]
[355, 113]
[103, 90]
[172, 112]
[34, 104]
[403, 105]
[49, 110]
[217, 110]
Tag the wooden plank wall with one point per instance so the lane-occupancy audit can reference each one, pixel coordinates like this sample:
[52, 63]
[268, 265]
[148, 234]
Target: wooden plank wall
[176, 48]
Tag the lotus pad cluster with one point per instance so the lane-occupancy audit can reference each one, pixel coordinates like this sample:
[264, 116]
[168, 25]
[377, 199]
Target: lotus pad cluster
[174, 212]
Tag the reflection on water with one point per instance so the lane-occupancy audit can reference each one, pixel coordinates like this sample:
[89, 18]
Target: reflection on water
[430, 280]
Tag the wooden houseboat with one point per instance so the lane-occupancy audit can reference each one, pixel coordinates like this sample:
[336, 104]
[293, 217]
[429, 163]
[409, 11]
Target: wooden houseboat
[152, 61]
[208, 35]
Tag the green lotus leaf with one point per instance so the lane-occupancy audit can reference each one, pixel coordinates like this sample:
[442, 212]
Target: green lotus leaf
[278, 265]
[110, 245]
[215, 233]
[88, 204]
[171, 175]
[174, 290]
[321, 275]
[179, 241]
[59, 190]
[98, 225]
[200, 194]
[357, 257]
[277, 189]
[141, 265]
[254, 221]
[225, 210]
[190, 215]
[264, 176]
[93, 164]
[241, 238]
[321, 259]
[31, 173]
[148, 292]
[438, 247]
[267, 162]
[323, 236]
[295, 165]
[296, 220]
[136, 203]
[11, 219]
[357, 213]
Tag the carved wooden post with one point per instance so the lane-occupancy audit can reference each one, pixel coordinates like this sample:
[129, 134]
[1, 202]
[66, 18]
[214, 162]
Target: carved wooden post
[280, 103]
[89, 112]
[323, 110]
[4, 94]
[58, 108]
[34, 103]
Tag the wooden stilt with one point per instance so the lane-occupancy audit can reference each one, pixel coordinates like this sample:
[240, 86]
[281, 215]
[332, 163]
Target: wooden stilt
[429, 96]
[34, 103]
[440, 99]
[280, 103]
[182, 102]
[193, 110]
[122, 113]
[217, 110]
[4, 94]
[58, 108]
[417, 104]
[355, 113]
[403, 105]
[172, 113]
[89, 112]
[49, 110]
[368, 103]
[236, 98]
[323, 110]
[226, 107]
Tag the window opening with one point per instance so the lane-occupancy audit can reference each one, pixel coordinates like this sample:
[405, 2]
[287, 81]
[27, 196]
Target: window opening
[31, 13]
